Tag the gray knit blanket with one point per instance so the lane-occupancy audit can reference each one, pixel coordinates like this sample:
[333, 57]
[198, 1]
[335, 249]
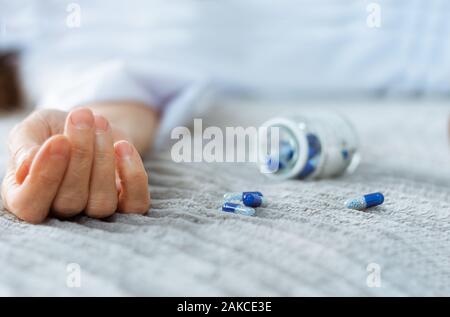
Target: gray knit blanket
[304, 243]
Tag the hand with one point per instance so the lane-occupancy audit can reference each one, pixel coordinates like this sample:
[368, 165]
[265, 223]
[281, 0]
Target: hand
[66, 163]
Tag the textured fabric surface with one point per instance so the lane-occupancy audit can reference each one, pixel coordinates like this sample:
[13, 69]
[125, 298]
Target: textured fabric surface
[304, 243]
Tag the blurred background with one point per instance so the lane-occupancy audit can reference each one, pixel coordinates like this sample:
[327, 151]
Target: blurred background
[291, 49]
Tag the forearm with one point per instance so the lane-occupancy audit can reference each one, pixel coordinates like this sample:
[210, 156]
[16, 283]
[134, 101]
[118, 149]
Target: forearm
[132, 121]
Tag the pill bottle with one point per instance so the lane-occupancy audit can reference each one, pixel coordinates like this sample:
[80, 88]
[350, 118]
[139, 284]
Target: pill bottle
[312, 146]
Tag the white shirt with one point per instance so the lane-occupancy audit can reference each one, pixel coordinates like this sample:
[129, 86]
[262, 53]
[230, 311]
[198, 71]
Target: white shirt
[165, 52]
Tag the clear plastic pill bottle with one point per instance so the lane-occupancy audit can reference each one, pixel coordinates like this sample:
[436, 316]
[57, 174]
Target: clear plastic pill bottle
[312, 146]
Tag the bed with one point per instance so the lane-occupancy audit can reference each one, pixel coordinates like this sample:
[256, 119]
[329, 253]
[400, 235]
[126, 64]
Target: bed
[305, 243]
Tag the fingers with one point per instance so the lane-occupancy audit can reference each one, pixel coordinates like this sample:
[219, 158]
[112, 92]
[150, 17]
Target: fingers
[134, 196]
[23, 162]
[24, 142]
[26, 138]
[73, 173]
[31, 201]
[73, 193]
[102, 201]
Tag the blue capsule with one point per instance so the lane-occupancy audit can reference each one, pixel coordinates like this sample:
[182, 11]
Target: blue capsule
[238, 209]
[239, 196]
[249, 199]
[345, 154]
[314, 146]
[286, 151]
[280, 159]
[314, 150]
[253, 200]
[274, 164]
[366, 201]
[308, 169]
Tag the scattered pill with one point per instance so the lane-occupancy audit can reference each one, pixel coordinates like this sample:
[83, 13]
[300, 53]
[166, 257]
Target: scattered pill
[253, 200]
[238, 209]
[238, 196]
[366, 201]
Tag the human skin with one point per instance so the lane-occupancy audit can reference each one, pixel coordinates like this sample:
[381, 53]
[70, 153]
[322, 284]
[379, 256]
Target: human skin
[88, 160]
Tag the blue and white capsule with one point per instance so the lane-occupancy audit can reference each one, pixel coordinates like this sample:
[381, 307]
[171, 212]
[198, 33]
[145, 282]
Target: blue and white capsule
[238, 209]
[286, 151]
[239, 196]
[281, 159]
[249, 199]
[254, 200]
[366, 201]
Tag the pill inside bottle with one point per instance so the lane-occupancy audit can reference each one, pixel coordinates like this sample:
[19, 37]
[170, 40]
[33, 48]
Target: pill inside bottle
[318, 145]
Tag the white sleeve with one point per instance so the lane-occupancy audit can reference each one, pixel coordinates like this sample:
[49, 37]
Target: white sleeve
[172, 92]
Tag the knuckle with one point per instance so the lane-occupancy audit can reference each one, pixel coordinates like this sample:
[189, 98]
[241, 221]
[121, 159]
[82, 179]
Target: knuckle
[45, 116]
[28, 213]
[11, 204]
[100, 207]
[76, 178]
[4, 197]
[38, 117]
[33, 216]
[12, 137]
[140, 206]
[81, 152]
[20, 152]
[47, 179]
[16, 128]
[104, 157]
[69, 205]
[3, 193]
[41, 113]
[24, 209]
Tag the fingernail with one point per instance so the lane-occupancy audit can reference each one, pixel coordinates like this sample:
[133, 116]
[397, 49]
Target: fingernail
[124, 149]
[82, 118]
[59, 147]
[101, 124]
